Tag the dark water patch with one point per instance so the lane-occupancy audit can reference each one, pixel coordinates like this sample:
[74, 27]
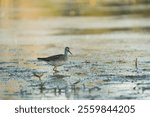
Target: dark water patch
[58, 76]
[146, 61]
[142, 86]
[124, 97]
[3, 62]
[113, 78]
[144, 89]
[7, 63]
[74, 31]
[2, 68]
[146, 70]
[144, 83]
[106, 75]
[139, 77]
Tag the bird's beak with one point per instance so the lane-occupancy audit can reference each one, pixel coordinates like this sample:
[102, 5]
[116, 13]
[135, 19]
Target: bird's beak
[69, 52]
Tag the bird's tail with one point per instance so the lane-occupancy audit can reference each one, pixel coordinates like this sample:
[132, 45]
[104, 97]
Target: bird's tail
[40, 58]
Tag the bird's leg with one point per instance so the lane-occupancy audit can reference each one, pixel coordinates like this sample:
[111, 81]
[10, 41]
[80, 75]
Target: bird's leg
[55, 69]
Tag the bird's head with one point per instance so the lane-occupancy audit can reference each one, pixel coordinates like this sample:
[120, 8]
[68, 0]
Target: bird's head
[67, 50]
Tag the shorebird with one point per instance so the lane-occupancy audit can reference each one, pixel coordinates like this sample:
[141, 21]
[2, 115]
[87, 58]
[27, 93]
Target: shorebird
[57, 60]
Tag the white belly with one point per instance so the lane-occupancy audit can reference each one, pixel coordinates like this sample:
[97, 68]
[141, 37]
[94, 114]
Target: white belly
[56, 63]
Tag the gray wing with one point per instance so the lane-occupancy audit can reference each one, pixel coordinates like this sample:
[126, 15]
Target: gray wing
[51, 58]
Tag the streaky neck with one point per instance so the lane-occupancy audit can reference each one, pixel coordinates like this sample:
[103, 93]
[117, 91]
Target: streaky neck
[66, 53]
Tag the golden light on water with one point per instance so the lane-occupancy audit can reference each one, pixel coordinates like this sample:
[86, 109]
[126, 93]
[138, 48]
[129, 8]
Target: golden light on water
[105, 37]
[92, 2]
[39, 9]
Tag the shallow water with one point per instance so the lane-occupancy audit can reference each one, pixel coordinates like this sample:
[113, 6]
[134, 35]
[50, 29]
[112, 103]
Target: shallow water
[102, 65]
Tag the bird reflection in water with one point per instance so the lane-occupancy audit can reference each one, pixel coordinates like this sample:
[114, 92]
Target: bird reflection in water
[41, 84]
[57, 85]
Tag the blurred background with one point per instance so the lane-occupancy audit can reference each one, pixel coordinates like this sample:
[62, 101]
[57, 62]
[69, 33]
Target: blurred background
[105, 37]
[20, 9]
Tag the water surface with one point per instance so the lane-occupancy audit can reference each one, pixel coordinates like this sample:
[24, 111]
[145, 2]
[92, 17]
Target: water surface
[102, 66]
